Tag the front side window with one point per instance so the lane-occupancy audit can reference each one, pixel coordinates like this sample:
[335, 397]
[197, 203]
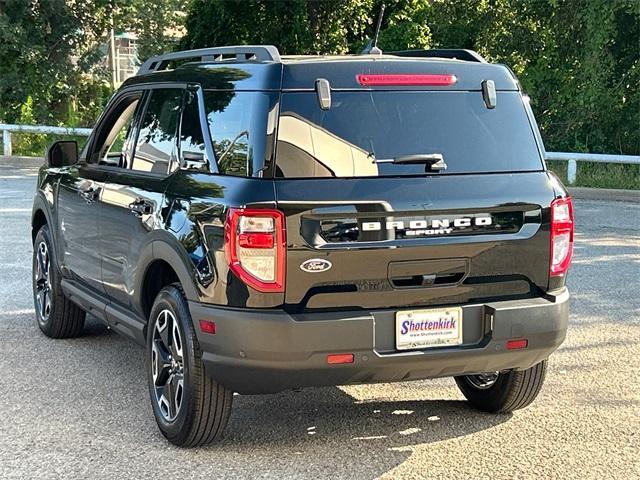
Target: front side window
[156, 146]
[241, 125]
[115, 136]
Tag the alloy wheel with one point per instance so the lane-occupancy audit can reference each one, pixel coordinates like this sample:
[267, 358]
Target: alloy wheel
[44, 298]
[167, 365]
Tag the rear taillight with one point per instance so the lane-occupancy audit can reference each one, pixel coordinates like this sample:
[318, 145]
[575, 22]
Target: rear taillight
[255, 247]
[561, 235]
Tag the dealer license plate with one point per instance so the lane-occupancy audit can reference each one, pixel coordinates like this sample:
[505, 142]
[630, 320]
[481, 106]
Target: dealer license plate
[428, 328]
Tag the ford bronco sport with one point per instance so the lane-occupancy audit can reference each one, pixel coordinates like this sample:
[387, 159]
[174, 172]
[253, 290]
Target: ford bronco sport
[262, 223]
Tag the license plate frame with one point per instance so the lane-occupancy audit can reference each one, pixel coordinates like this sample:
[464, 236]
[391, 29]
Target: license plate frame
[429, 328]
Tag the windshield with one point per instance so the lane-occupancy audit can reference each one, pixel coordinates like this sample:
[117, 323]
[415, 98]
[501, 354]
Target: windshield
[364, 131]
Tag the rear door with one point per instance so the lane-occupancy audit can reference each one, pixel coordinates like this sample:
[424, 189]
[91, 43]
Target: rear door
[364, 232]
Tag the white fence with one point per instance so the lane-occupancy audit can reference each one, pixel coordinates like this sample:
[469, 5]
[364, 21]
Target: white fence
[572, 158]
[8, 129]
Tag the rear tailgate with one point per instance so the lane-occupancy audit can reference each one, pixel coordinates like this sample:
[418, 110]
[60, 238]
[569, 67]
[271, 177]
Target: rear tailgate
[389, 242]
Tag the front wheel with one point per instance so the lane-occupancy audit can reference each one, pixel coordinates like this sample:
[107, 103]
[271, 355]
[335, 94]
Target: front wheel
[502, 392]
[57, 315]
[190, 408]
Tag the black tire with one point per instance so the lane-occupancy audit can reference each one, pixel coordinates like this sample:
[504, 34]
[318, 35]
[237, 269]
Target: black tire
[56, 315]
[511, 391]
[198, 408]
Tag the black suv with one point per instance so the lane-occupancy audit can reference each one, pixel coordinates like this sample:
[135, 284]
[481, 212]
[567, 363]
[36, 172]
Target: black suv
[263, 223]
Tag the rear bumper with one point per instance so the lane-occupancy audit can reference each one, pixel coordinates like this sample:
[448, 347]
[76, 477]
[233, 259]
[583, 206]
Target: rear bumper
[269, 351]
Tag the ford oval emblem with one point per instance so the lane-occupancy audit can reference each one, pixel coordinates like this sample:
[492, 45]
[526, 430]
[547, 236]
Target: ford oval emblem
[316, 265]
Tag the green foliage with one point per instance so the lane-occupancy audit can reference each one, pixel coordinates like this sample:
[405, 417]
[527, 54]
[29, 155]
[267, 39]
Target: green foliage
[577, 59]
[307, 26]
[45, 50]
[50, 49]
[156, 23]
[600, 175]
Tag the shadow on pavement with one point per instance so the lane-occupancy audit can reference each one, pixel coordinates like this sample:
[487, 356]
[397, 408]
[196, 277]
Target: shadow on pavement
[103, 394]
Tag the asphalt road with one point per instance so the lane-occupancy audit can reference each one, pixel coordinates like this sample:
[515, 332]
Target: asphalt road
[80, 408]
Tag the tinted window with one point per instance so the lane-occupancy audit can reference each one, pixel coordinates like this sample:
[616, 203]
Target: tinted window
[192, 148]
[241, 126]
[361, 127]
[156, 146]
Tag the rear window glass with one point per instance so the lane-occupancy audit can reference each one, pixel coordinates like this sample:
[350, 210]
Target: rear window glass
[363, 128]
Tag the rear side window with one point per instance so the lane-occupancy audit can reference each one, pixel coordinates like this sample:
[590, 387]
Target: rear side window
[363, 126]
[156, 146]
[193, 153]
[241, 126]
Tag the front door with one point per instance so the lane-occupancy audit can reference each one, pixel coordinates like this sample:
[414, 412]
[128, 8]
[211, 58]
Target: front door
[81, 191]
[133, 196]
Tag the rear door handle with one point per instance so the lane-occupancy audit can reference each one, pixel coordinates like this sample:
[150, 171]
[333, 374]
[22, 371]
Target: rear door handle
[141, 207]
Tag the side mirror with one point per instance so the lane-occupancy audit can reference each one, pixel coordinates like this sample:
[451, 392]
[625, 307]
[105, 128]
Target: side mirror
[62, 154]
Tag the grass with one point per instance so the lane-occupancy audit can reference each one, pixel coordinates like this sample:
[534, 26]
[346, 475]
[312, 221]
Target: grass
[600, 175]
[35, 145]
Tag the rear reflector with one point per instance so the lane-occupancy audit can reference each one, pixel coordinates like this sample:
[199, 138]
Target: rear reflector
[208, 326]
[340, 358]
[517, 344]
[440, 80]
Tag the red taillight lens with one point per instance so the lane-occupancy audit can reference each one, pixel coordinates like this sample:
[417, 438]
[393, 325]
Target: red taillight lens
[409, 80]
[561, 235]
[255, 247]
[256, 240]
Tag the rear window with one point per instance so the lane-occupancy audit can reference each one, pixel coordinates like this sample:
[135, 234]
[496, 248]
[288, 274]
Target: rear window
[362, 127]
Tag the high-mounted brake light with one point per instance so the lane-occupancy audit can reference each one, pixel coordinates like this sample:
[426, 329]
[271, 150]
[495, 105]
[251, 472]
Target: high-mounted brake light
[408, 80]
[255, 247]
[561, 235]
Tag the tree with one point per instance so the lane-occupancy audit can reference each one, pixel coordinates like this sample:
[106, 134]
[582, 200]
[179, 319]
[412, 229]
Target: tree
[577, 59]
[307, 26]
[50, 53]
[157, 24]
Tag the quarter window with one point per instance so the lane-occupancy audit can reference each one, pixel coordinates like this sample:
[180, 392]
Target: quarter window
[241, 125]
[192, 147]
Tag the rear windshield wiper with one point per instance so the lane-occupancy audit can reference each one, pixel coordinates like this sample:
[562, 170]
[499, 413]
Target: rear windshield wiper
[435, 161]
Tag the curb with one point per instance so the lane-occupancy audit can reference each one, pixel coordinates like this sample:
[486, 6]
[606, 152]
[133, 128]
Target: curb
[21, 161]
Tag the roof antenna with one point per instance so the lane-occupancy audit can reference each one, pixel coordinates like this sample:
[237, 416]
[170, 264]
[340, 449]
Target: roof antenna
[372, 46]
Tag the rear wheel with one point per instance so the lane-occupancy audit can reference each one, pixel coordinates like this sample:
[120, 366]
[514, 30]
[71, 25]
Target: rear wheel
[502, 392]
[190, 408]
[57, 316]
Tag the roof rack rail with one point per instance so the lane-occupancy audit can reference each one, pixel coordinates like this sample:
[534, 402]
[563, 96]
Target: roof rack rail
[453, 53]
[242, 53]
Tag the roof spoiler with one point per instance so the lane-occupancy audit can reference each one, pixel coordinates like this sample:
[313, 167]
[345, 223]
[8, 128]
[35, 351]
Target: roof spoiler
[239, 53]
[453, 53]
